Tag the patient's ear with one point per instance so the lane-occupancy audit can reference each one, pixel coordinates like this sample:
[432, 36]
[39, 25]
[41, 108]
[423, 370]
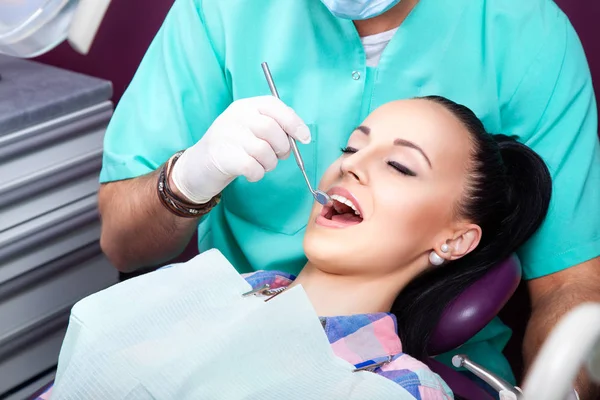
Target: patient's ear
[465, 241]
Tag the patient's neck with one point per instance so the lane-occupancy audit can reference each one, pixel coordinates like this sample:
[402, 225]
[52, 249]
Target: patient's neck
[335, 295]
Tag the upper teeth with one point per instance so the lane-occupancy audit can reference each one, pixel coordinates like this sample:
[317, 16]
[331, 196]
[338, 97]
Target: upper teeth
[347, 202]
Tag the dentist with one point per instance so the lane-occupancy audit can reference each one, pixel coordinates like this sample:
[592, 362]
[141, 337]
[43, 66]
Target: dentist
[518, 64]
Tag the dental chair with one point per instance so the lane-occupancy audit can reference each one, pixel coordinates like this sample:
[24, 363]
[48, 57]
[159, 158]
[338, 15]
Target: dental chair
[466, 316]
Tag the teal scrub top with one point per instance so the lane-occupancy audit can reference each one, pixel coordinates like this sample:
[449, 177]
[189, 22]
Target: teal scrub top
[518, 65]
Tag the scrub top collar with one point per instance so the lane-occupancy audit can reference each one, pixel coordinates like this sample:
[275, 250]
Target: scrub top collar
[425, 12]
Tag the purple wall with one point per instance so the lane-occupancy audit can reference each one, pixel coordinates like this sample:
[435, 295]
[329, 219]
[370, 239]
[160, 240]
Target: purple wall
[122, 40]
[585, 16]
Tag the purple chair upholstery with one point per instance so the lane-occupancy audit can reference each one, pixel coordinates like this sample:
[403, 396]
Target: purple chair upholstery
[476, 306]
[468, 314]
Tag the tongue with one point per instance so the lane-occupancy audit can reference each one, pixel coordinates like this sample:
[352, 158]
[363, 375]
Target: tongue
[347, 218]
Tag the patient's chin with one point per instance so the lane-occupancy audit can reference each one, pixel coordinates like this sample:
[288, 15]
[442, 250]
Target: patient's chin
[332, 254]
[357, 250]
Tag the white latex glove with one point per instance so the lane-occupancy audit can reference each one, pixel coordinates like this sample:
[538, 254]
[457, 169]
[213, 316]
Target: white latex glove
[247, 139]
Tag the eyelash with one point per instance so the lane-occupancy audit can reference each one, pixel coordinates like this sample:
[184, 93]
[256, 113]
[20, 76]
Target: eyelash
[397, 166]
[401, 168]
[349, 150]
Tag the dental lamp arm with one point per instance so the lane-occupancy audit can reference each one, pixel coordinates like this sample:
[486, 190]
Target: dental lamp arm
[574, 343]
[552, 297]
[85, 24]
[31, 28]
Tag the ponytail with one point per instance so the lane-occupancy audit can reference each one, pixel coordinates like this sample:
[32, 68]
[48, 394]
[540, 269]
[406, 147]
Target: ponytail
[508, 197]
[529, 188]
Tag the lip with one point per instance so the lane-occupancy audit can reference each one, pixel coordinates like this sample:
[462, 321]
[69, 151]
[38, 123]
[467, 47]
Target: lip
[340, 191]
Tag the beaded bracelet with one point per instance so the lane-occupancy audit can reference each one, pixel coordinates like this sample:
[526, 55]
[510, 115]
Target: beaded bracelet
[174, 203]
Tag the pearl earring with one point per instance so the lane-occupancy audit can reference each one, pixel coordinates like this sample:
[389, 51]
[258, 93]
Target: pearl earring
[445, 248]
[435, 259]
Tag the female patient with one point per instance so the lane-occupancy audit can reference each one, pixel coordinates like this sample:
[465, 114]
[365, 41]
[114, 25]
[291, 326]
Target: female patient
[425, 202]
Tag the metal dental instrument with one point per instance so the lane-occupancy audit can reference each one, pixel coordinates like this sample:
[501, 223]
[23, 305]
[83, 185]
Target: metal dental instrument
[495, 382]
[320, 196]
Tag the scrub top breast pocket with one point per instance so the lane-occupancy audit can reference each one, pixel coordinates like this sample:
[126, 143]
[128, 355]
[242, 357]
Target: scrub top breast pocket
[281, 201]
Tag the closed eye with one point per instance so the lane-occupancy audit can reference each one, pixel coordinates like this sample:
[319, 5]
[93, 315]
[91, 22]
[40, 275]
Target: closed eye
[349, 150]
[401, 168]
[397, 166]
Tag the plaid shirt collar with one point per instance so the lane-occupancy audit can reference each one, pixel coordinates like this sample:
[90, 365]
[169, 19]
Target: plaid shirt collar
[359, 339]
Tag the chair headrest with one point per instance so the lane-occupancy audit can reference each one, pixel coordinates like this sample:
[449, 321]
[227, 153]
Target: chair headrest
[476, 306]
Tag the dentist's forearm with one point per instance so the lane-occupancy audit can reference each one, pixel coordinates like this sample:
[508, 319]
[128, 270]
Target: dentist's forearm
[137, 230]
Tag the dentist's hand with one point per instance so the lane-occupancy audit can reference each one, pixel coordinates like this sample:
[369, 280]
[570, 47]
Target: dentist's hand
[247, 139]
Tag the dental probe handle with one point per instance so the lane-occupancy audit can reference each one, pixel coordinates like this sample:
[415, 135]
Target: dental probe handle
[320, 196]
[293, 144]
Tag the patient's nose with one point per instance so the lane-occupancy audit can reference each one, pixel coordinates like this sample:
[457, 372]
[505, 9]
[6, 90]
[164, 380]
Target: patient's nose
[354, 168]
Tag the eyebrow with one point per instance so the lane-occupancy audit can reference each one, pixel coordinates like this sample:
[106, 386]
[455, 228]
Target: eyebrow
[398, 142]
[406, 143]
[364, 129]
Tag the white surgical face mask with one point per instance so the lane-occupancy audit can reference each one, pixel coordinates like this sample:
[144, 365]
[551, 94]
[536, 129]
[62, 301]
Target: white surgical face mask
[359, 9]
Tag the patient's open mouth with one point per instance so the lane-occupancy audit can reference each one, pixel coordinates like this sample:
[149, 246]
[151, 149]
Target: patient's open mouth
[343, 212]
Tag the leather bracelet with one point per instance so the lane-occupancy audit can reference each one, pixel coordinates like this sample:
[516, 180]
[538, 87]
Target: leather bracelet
[174, 203]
